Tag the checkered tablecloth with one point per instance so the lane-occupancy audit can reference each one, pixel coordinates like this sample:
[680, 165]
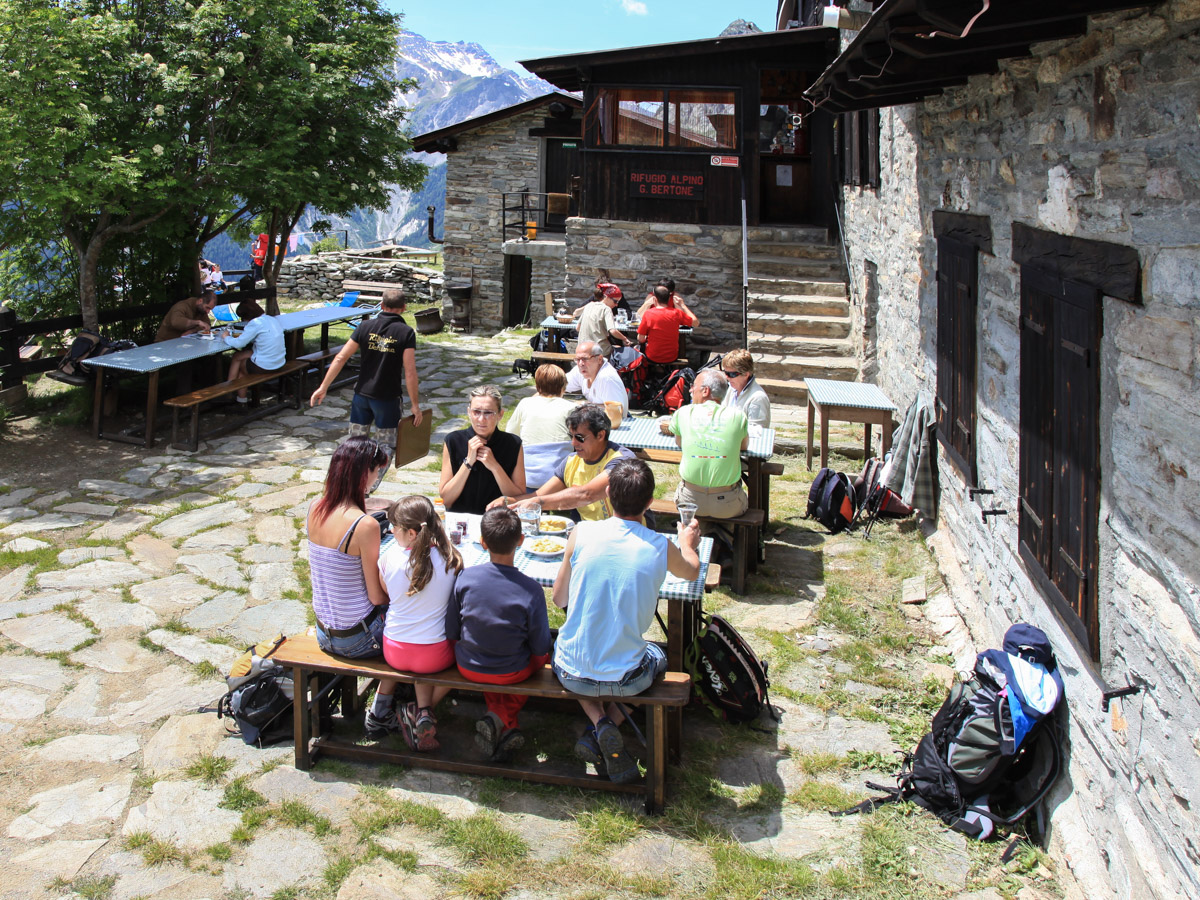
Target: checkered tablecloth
[544, 571]
[643, 434]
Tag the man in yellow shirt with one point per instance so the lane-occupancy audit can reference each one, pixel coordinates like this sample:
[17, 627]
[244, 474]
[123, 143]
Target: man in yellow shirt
[581, 480]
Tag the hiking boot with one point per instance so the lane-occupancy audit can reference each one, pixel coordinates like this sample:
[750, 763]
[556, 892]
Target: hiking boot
[587, 748]
[510, 742]
[487, 733]
[380, 727]
[424, 728]
[620, 765]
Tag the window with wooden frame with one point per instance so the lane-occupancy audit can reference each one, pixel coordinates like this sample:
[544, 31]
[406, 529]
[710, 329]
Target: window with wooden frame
[858, 147]
[1060, 445]
[957, 353]
[666, 118]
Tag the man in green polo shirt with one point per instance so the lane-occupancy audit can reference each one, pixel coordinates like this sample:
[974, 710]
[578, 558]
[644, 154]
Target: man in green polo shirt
[712, 438]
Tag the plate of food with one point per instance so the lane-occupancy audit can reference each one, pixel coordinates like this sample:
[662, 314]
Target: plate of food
[545, 547]
[553, 525]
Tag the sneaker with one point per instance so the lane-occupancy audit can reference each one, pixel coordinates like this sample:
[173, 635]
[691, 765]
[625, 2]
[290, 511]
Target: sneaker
[621, 766]
[380, 727]
[243, 400]
[487, 733]
[424, 728]
[587, 748]
[510, 742]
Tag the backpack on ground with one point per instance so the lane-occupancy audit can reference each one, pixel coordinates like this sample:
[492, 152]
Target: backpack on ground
[832, 500]
[732, 680]
[674, 392]
[993, 750]
[548, 341]
[260, 696]
[88, 344]
[875, 498]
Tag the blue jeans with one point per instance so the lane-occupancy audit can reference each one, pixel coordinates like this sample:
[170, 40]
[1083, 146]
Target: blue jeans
[636, 680]
[384, 413]
[364, 645]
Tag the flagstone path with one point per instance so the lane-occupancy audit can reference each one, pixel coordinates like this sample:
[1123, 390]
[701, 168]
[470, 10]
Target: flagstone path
[139, 588]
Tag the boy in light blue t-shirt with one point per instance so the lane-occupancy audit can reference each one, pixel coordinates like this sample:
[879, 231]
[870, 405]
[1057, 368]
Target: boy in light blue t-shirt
[609, 581]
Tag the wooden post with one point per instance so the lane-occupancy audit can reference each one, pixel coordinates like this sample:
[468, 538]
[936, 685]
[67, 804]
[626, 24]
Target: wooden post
[10, 349]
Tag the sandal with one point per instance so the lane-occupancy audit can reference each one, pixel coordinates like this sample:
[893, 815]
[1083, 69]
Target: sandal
[424, 727]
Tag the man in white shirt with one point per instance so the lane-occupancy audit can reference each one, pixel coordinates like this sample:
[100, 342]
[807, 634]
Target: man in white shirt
[260, 346]
[596, 321]
[596, 378]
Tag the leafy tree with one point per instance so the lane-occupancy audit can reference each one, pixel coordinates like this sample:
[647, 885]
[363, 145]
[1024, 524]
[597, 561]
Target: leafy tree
[184, 119]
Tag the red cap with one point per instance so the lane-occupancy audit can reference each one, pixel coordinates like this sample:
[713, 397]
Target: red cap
[610, 290]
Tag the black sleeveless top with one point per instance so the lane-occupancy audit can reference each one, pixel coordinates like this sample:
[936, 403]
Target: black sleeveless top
[481, 487]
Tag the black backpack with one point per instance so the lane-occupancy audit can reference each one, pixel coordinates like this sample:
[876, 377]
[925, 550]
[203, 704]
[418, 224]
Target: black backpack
[548, 341]
[673, 393]
[970, 769]
[832, 501]
[261, 707]
[732, 680]
[88, 344]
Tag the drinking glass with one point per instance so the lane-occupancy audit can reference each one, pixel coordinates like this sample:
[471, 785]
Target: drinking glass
[687, 512]
[530, 517]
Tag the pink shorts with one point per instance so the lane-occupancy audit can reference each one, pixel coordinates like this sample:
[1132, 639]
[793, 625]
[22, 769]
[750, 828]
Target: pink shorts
[419, 659]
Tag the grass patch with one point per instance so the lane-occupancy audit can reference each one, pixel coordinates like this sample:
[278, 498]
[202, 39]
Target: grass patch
[240, 797]
[761, 796]
[817, 762]
[300, 815]
[287, 892]
[391, 772]
[219, 852]
[43, 559]
[270, 765]
[177, 626]
[209, 768]
[822, 795]
[146, 644]
[336, 767]
[337, 871]
[608, 824]
[205, 670]
[742, 875]
[482, 838]
[154, 851]
[86, 887]
[490, 882]
[63, 658]
[405, 859]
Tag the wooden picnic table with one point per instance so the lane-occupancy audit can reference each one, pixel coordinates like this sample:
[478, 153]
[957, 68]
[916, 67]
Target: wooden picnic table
[847, 401]
[152, 359]
[629, 327]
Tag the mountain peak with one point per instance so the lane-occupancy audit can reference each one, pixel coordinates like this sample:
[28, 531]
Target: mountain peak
[740, 26]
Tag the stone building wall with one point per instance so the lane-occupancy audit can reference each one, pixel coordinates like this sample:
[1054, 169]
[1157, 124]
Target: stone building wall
[491, 159]
[319, 278]
[1025, 145]
[704, 260]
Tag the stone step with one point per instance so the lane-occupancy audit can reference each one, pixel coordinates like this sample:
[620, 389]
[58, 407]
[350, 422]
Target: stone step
[794, 250]
[794, 346]
[771, 367]
[799, 305]
[795, 267]
[823, 287]
[809, 326]
[812, 234]
[783, 390]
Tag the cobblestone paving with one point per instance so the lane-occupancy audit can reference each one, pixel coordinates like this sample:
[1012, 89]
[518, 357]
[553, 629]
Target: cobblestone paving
[139, 589]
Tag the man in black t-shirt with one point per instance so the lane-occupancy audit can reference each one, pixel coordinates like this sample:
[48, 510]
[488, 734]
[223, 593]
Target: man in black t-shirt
[389, 350]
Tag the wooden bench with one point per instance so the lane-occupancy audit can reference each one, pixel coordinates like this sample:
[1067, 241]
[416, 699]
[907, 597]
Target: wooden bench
[195, 399]
[745, 538]
[370, 293]
[318, 361]
[562, 360]
[314, 738]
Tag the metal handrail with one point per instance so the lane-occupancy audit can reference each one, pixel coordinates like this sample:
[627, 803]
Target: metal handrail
[837, 210]
[525, 207]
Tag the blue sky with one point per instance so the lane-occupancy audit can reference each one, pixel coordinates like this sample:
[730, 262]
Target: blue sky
[526, 29]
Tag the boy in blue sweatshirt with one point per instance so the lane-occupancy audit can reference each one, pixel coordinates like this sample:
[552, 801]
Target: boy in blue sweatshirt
[497, 616]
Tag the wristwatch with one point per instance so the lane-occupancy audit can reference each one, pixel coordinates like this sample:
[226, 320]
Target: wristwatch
[468, 466]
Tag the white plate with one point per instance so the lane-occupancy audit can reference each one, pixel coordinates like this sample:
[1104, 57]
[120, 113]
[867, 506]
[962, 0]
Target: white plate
[528, 548]
[545, 529]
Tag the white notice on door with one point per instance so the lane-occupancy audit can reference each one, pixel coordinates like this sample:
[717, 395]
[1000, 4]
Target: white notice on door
[783, 176]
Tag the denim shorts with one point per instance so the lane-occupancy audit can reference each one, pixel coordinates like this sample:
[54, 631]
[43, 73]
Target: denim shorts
[384, 413]
[364, 645]
[636, 680]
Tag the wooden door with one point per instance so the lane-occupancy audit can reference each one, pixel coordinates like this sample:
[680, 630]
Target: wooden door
[518, 281]
[561, 164]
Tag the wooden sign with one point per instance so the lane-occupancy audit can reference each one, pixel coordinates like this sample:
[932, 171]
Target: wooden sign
[666, 185]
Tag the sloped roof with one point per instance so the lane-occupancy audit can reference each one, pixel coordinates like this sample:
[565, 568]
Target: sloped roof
[426, 142]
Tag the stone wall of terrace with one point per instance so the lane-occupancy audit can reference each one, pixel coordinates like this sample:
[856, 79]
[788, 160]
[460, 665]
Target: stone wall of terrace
[704, 260]
[319, 278]
[1096, 138]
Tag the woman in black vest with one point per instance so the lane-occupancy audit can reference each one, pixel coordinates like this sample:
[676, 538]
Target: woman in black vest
[481, 463]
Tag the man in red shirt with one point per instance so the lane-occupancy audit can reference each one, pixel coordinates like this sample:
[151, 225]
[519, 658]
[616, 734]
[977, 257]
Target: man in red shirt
[658, 331]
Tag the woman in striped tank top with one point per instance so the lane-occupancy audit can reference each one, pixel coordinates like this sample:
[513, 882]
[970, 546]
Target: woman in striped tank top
[343, 557]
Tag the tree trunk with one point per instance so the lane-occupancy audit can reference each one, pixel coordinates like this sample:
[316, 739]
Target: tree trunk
[89, 262]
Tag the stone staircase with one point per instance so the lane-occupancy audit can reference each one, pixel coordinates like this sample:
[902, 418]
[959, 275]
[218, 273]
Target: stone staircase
[799, 311]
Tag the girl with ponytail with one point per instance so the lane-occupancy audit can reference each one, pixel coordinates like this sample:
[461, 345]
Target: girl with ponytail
[418, 570]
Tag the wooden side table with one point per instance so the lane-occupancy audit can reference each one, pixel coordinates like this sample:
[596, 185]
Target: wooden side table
[847, 401]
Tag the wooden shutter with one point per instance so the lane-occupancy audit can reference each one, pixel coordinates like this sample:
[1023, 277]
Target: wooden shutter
[958, 301]
[870, 147]
[1076, 452]
[1038, 295]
